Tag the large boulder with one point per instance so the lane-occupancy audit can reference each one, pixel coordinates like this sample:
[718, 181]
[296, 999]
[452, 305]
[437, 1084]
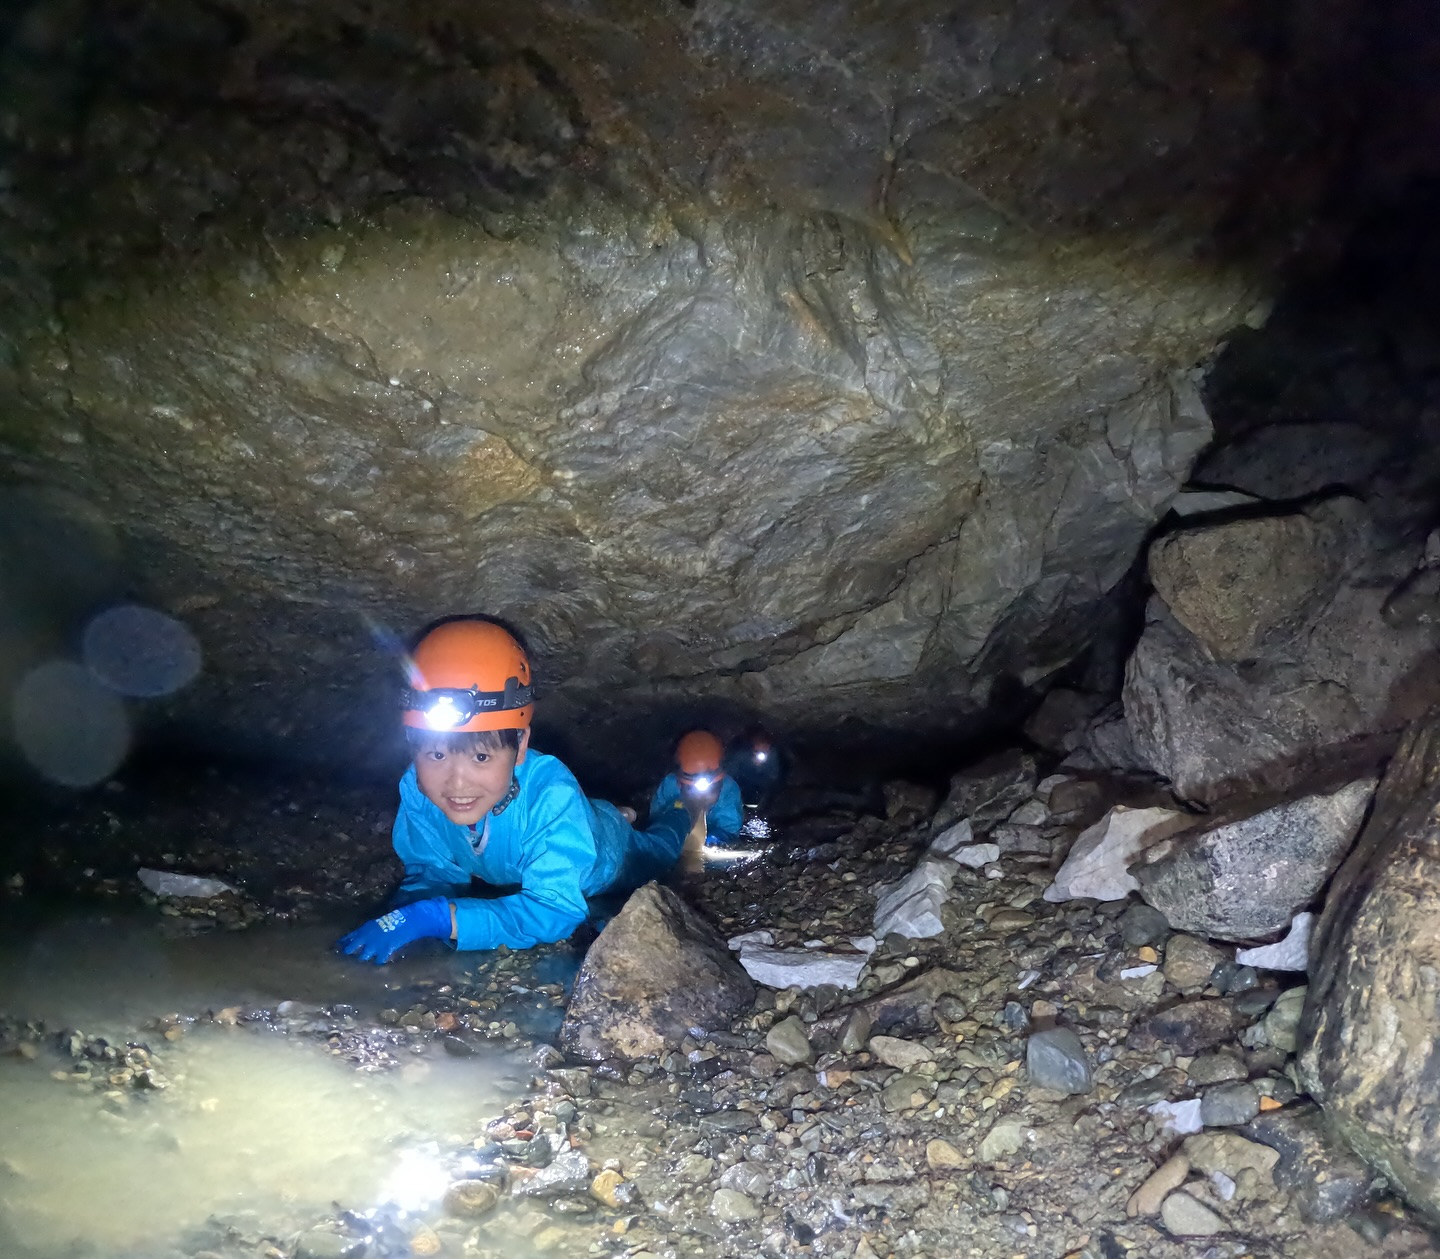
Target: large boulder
[817, 359]
[1254, 675]
[656, 971]
[1372, 1019]
[1245, 879]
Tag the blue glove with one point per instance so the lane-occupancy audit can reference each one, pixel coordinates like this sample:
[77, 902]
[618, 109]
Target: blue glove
[381, 938]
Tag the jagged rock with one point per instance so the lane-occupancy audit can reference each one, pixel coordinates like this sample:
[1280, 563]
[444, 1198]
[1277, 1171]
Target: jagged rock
[912, 906]
[657, 970]
[1055, 1059]
[1239, 880]
[1370, 1024]
[1099, 862]
[1327, 1180]
[568, 1174]
[802, 968]
[1320, 682]
[1291, 953]
[1241, 585]
[1189, 962]
[1011, 837]
[988, 793]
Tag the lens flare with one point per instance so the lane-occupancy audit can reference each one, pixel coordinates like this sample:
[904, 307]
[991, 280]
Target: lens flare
[70, 728]
[140, 652]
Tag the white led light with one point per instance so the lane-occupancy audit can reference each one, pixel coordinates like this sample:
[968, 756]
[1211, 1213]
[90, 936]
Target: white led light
[442, 714]
[762, 756]
[703, 783]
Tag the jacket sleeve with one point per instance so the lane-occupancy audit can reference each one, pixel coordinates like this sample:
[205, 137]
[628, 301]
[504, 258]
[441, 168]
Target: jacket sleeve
[559, 851]
[727, 815]
[666, 794]
[427, 867]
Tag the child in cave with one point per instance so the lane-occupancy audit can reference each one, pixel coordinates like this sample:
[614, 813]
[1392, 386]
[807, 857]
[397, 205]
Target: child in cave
[477, 802]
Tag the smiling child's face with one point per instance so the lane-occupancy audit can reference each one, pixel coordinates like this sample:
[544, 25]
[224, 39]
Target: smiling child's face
[466, 784]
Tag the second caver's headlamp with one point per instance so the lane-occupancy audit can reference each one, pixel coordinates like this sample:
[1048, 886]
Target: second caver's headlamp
[449, 707]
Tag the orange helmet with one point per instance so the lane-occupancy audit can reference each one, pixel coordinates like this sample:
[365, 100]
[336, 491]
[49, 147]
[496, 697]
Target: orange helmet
[699, 752]
[469, 674]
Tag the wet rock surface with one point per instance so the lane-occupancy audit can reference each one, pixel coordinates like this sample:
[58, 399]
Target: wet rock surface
[908, 1117]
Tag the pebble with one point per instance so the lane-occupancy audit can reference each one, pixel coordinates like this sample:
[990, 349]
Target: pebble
[1164, 1180]
[1011, 920]
[1007, 1137]
[1229, 1105]
[569, 1173]
[941, 1156]
[320, 1243]
[1056, 1059]
[856, 1031]
[749, 1178]
[1190, 961]
[905, 1092]
[1230, 1153]
[1141, 924]
[733, 1207]
[1282, 1023]
[904, 1055]
[471, 1198]
[1216, 1069]
[1185, 1217]
[426, 1241]
[607, 1188]
[788, 1042]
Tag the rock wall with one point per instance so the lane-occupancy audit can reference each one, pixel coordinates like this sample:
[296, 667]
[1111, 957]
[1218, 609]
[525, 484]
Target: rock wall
[801, 359]
[1368, 1034]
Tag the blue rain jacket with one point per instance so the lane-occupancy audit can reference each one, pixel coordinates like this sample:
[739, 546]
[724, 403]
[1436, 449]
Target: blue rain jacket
[723, 820]
[552, 841]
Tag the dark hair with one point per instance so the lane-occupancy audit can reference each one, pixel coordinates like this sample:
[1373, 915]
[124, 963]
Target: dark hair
[461, 741]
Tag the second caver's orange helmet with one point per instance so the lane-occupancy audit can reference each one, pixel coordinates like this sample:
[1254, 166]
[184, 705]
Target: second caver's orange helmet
[469, 674]
[699, 752]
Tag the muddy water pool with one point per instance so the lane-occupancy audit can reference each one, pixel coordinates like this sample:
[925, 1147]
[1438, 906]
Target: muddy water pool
[252, 1122]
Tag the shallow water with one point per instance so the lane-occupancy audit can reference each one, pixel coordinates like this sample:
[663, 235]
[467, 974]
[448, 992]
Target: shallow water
[253, 1120]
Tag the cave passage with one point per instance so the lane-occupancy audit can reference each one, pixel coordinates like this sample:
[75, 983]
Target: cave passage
[1017, 426]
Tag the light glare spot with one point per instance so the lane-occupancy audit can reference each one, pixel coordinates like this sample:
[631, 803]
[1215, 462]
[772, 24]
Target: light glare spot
[419, 1180]
[140, 652]
[69, 727]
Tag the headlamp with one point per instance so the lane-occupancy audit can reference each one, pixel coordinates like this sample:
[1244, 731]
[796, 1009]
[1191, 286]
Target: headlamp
[697, 784]
[449, 707]
[762, 755]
